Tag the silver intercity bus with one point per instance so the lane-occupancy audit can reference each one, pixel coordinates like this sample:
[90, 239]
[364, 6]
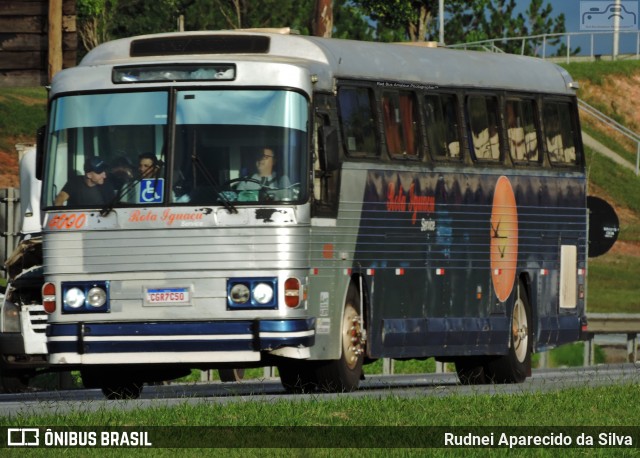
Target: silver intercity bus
[242, 199]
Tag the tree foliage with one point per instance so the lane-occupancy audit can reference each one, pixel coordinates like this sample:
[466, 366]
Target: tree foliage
[382, 20]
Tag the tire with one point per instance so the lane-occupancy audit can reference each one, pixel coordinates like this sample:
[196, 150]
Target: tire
[471, 371]
[111, 388]
[125, 390]
[515, 366]
[299, 376]
[231, 375]
[345, 373]
[15, 383]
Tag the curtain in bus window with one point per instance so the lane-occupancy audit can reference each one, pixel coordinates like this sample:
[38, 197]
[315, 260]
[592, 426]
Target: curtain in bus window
[409, 122]
[392, 126]
[559, 133]
[357, 121]
[442, 125]
[484, 127]
[400, 123]
[521, 131]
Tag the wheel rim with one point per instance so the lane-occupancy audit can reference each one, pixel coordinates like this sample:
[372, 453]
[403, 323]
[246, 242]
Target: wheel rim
[520, 330]
[352, 337]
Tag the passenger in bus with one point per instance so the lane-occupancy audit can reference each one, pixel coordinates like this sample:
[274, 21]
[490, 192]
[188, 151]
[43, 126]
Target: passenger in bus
[90, 189]
[266, 176]
[149, 165]
[121, 175]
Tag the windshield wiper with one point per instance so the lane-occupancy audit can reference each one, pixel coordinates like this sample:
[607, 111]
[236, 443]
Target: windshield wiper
[220, 195]
[123, 191]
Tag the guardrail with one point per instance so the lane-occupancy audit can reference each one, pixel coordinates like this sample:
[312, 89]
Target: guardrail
[538, 45]
[615, 125]
[613, 323]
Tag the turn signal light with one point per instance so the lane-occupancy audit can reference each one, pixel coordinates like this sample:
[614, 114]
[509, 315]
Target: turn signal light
[292, 292]
[49, 297]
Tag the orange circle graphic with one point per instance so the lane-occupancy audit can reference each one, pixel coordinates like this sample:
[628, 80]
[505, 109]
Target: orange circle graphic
[504, 239]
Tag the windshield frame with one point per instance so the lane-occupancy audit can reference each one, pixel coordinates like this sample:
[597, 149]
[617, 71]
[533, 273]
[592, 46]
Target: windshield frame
[168, 133]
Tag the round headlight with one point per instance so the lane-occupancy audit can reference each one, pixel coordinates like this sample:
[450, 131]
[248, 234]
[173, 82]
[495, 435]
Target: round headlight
[74, 298]
[263, 293]
[239, 293]
[97, 297]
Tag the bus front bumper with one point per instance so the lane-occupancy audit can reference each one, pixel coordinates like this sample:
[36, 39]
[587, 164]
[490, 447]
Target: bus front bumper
[178, 342]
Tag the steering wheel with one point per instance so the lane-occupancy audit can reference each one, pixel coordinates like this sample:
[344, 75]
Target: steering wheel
[235, 182]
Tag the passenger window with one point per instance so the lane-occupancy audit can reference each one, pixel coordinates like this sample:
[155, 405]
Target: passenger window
[559, 132]
[400, 116]
[443, 133]
[357, 121]
[521, 130]
[483, 120]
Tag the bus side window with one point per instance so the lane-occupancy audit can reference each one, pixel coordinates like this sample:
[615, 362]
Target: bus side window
[559, 133]
[357, 121]
[521, 131]
[443, 134]
[483, 120]
[400, 117]
[326, 170]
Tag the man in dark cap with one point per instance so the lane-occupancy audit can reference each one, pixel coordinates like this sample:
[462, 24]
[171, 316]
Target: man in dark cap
[88, 190]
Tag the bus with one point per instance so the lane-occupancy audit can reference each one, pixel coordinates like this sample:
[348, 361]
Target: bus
[419, 202]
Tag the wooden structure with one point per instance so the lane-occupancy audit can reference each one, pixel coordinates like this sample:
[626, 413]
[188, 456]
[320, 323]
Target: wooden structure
[37, 39]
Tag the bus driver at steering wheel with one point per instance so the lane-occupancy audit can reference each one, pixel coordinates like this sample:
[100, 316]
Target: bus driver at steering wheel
[266, 176]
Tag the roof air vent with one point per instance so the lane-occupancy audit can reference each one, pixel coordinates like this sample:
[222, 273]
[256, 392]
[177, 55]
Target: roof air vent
[200, 44]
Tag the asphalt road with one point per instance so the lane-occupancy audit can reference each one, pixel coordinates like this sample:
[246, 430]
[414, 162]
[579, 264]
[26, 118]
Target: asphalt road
[270, 390]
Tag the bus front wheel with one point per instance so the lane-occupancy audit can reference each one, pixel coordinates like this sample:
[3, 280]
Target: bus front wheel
[344, 374]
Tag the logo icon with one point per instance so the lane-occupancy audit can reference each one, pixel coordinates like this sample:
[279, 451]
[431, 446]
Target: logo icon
[23, 437]
[603, 15]
[151, 190]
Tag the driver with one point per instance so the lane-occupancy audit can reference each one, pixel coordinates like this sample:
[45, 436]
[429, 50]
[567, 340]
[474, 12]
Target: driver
[266, 176]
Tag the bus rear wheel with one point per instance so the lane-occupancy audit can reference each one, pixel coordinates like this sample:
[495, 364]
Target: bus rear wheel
[344, 374]
[515, 366]
[471, 370]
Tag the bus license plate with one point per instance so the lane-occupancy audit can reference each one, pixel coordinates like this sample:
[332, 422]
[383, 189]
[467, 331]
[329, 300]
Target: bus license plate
[168, 296]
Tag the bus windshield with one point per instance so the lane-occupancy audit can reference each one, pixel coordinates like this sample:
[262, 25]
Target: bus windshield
[120, 149]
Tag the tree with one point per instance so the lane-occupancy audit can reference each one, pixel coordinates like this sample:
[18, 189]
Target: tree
[413, 17]
[94, 21]
[323, 18]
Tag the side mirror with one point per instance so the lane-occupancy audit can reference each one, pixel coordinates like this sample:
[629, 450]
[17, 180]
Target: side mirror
[41, 135]
[329, 148]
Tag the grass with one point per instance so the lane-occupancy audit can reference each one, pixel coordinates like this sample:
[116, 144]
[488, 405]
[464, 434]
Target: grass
[22, 112]
[613, 284]
[611, 405]
[359, 423]
[597, 72]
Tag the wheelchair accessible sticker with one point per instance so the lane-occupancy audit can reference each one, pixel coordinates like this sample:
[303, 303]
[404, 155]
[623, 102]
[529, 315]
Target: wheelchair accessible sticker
[151, 191]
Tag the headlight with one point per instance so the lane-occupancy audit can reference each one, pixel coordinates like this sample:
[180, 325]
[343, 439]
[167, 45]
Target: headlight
[263, 293]
[96, 297]
[85, 297]
[240, 293]
[11, 317]
[252, 293]
[74, 298]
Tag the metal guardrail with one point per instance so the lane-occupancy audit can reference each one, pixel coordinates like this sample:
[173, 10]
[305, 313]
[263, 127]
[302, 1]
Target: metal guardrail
[539, 44]
[615, 125]
[613, 323]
